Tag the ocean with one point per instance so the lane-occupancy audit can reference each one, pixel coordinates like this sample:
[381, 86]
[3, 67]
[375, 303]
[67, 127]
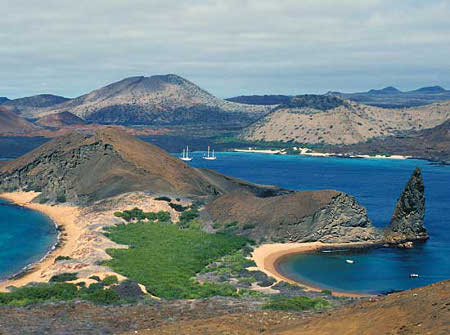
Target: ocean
[25, 237]
[376, 184]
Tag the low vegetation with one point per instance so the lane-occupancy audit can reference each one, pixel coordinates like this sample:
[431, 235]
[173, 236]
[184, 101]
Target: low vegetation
[45, 292]
[296, 304]
[68, 276]
[166, 257]
[139, 215]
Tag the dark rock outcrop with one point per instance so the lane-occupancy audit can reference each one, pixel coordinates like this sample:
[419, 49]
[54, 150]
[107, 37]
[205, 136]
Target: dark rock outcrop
[407, 220]
[326, 215]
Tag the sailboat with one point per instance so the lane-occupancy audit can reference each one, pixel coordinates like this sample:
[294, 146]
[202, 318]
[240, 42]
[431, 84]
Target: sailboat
[185, 154]
[210, 157]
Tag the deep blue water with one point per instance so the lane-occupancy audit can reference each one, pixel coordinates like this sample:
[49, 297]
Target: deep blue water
[376, 184]
[25, 237]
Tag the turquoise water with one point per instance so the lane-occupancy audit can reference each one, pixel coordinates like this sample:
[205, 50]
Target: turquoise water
[376, 184]
[25, 237]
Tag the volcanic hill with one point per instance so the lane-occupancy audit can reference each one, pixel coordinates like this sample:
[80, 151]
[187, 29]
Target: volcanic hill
[158, 100]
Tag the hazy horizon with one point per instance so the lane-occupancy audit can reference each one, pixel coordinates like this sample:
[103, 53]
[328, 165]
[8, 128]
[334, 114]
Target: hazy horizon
[235, 95]
[229, 48]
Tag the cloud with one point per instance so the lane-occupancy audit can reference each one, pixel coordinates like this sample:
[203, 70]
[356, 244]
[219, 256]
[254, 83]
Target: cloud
[228, 47]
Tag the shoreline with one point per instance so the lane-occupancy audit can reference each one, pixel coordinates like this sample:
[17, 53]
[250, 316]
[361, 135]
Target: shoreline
[64, 218]
[268, 256]
[309, 152]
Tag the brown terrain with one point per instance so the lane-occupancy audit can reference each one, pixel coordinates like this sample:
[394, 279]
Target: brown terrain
[325, 215]
[60, 120]
[423, 310]
[85, 168]
[13, 123]
[315, 120]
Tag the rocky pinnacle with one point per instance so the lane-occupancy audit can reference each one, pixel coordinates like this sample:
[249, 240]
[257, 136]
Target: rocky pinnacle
[407, 220]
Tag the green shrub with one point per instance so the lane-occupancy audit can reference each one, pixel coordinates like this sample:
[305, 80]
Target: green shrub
[296, 304]
[104, 296]
[163, 216]
[26, 295]
[178, 207]
[43, 200]
[327, 292]
[109, 280]
[63, 258]
[61, 198]
[96, 278]
[248, 226]
[68, 276]
[151, 216]
[163, 199]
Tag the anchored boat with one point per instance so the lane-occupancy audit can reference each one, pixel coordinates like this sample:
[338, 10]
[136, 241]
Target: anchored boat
[185, 154]
[210, 157]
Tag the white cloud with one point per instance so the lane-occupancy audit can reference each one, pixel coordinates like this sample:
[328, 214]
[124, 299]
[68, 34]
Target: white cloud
[229, 47]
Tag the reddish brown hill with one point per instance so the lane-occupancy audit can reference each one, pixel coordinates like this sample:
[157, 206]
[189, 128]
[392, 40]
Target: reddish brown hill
[59, 120]
[84, 168]
[12, 123]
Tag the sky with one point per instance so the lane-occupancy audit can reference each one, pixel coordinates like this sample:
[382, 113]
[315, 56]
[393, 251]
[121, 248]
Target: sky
[228, 47]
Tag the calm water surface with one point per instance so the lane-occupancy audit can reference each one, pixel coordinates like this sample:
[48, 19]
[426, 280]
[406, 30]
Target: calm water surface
[25, 237]
[376, 184]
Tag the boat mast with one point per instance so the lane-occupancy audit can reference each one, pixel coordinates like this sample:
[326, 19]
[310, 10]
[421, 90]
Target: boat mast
[187, 151]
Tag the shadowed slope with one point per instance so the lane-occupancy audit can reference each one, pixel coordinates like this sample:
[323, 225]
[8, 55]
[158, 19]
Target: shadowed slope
[81, 168]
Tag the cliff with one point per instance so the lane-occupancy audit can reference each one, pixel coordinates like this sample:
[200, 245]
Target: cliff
[325, 215]
[407, 221]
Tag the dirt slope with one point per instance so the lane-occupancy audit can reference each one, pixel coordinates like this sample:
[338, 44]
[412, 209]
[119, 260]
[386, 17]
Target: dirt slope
[424, 310]
[344, 122]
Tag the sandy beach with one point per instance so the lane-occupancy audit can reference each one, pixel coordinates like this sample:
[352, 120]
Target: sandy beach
[261, 151]
[309, 152]
[81, 237]
[267, 256]
[64, 217]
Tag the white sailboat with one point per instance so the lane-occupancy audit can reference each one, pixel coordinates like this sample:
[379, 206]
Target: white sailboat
[210, 157]
[185, 155]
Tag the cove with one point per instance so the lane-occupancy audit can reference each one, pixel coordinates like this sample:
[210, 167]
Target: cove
[376, 184]
[26, 236]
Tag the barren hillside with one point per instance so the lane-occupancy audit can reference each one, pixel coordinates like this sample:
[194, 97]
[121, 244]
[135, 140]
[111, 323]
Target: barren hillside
[310, 119]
